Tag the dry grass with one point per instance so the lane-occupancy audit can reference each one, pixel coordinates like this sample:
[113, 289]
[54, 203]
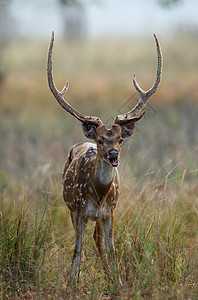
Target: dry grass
[156, 220]
[155, 236]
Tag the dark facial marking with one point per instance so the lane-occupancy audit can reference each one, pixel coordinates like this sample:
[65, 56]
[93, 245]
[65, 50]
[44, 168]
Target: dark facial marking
[109, 132]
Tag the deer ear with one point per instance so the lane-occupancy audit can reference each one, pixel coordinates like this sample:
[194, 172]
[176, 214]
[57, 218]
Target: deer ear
[89, 130]
[128, 126]
[127, 129]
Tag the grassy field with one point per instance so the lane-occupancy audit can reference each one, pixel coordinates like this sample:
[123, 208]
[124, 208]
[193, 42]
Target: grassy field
[157, 217]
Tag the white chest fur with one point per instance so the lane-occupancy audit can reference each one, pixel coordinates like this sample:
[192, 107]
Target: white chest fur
[104, 172]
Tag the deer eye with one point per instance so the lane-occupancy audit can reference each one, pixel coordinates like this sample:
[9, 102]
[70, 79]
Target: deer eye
[100, 142]
[120, 141]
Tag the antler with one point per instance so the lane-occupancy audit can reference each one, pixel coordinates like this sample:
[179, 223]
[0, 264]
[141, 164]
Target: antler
[144, 95]
[59, 96]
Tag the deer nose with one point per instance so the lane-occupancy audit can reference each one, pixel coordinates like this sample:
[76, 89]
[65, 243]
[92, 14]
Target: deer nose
[113, 154]
[113, 157]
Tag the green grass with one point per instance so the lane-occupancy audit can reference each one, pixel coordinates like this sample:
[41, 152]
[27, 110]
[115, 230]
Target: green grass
[155, 239]
[156, 220]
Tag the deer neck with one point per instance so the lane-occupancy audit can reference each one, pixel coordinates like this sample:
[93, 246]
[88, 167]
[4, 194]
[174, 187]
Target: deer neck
[103, 176]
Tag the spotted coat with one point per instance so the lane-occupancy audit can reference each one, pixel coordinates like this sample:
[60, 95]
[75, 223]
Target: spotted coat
[81, 192]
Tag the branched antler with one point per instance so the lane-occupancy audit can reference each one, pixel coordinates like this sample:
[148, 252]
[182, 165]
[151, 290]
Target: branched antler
[59, 96]
[144, 95]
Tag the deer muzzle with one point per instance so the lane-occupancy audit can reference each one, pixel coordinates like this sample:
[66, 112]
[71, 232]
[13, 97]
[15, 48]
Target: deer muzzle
[113, 157]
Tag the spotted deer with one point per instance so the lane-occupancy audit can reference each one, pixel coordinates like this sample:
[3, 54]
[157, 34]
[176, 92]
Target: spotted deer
[90, 176]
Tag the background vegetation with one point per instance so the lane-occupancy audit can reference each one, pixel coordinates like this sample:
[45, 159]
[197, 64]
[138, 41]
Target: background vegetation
[156, 219]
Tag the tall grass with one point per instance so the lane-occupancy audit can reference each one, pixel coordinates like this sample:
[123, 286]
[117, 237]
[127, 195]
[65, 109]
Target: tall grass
[154, 248]
[155, 236]
[24, 243]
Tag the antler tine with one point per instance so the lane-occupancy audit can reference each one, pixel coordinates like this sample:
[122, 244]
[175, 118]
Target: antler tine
[65, 88]
[59, 96]
[144, 95]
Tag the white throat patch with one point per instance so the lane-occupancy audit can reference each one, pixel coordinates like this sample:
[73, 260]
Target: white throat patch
[105, 172]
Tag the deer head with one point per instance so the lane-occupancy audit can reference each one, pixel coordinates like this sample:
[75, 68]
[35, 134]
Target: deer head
[108, 140]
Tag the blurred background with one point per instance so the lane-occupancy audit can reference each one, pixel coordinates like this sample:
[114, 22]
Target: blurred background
[99, 44]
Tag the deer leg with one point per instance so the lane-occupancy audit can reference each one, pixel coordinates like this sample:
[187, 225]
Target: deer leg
[79, 224]
[109, 234]
[100, 243]
[109, 239]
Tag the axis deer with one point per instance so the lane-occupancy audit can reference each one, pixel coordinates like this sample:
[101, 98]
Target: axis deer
[90, 176]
